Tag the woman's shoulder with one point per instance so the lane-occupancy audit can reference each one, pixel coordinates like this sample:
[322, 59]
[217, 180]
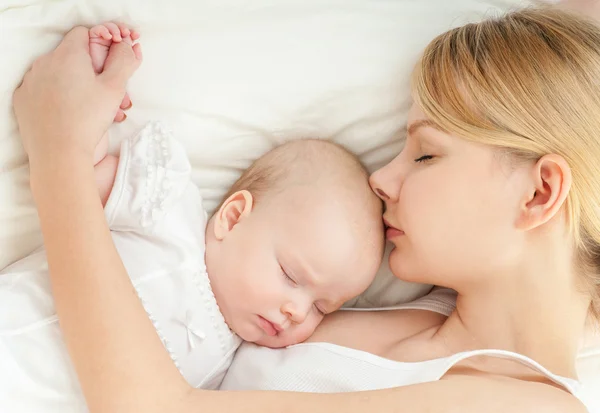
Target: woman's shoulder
[381, 331]
[385, 330]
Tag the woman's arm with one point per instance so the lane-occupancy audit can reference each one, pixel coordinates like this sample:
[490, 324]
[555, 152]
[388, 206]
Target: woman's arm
[121, 363]
[465, 394]
[119, 358]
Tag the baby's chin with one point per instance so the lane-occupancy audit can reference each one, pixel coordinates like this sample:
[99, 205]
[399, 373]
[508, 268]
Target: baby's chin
[285, 339]
[275, 341]
[279, 341]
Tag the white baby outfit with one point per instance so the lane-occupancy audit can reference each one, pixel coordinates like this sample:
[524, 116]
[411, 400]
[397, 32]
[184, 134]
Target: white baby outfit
[157, 221]
[329, 368]
[158, 224]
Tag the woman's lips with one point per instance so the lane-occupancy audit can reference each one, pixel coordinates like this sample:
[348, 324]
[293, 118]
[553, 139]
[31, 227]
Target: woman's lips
[391, 231]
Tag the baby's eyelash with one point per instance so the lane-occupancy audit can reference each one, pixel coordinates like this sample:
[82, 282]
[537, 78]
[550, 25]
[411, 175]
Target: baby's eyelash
[288, 278]
[320, 311]
[424, 158]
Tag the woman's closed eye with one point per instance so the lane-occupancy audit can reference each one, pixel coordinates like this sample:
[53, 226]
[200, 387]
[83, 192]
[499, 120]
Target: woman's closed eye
[424, 158]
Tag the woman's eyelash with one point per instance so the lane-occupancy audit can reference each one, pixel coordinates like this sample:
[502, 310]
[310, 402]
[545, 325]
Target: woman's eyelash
[424, 158]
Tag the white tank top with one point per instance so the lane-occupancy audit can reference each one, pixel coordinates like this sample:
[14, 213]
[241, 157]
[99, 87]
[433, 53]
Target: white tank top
[329, 368]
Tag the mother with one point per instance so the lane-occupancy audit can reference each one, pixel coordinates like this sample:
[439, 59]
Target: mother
[495, 195]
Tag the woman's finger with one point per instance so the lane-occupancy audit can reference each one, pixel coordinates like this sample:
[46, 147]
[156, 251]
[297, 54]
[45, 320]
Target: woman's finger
[77, 36]
[137, 50]
[126, 102]
[75, 44]
[120, 116]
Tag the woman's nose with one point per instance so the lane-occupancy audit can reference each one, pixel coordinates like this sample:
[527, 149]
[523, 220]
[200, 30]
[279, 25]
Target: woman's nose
[379, 192]
[385, 182]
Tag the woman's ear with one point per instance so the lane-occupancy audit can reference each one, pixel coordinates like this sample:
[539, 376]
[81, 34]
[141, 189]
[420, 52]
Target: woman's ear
[234, 209]
[551, 183]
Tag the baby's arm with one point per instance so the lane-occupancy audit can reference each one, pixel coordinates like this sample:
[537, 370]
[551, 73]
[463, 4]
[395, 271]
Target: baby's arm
[105, 172]
[101, 38]
[105, 169]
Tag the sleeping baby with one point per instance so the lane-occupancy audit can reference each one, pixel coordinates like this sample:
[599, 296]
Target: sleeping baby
[295, 237]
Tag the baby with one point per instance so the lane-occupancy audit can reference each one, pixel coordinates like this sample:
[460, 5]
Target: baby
[296, 236]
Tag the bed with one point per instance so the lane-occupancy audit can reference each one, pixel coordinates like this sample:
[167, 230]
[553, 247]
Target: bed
[234, 78]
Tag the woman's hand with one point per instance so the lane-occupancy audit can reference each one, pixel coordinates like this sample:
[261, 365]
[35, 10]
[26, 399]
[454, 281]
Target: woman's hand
[63, 107]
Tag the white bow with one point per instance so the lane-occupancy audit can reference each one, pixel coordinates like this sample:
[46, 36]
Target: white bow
[191, 331]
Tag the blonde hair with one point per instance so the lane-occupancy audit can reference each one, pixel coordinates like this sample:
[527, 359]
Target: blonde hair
[527, 83]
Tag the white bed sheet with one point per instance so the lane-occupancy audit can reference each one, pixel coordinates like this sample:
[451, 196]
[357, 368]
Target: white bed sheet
[234, 78]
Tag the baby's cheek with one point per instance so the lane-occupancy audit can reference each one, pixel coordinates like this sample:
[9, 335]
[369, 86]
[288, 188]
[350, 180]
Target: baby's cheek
[304, 331]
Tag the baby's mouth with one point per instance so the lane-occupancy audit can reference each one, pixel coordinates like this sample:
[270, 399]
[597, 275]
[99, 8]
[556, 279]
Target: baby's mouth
[271, 329]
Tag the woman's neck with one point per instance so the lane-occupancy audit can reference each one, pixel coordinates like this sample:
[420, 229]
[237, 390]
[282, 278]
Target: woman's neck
[535, 311]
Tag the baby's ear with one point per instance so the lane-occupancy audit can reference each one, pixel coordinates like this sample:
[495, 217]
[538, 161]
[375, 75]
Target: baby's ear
[234, 209]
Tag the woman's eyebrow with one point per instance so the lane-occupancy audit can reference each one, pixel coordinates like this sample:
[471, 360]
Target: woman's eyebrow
[412, 128]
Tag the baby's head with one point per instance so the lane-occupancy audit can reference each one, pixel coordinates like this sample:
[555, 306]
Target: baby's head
[298, 234]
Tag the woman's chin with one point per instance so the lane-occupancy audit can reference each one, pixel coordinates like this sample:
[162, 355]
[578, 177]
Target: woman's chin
[402, 269]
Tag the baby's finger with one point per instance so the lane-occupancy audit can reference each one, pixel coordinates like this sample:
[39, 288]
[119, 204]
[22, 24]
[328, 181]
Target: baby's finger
[121, 63]
[126, 102]
[120, 116]
[134, 35]
[125, 32]
[114, 30]
[100, 31]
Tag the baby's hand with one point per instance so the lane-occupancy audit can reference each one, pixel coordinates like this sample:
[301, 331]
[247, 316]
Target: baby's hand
[101, 38]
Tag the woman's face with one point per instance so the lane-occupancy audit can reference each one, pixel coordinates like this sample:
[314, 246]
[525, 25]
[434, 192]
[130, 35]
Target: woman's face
[450, 207]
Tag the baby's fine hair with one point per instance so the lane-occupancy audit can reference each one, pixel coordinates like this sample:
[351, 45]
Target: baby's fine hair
[302, 162]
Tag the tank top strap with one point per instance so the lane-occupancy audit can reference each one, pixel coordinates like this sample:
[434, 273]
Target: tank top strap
[572, 386]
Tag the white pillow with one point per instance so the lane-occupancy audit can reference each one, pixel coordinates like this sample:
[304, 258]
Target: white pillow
[234, 78]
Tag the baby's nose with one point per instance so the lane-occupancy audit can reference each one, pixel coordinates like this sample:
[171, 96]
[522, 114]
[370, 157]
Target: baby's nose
[296, 312]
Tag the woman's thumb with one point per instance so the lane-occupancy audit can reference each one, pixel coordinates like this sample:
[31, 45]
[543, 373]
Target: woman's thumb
[122, 61]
